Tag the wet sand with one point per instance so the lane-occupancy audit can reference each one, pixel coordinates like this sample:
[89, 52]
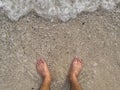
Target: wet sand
[95, 37]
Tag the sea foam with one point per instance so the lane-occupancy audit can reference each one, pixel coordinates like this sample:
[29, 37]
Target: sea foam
[62, 9]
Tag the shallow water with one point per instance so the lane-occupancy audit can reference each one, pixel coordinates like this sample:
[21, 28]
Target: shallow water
[95, 37]
[62, 9]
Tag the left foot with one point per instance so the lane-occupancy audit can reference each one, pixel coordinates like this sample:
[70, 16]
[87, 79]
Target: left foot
[43, 70]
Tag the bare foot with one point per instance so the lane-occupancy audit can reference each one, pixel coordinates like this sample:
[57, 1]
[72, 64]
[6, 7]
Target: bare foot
[43, 70]
[75, 69]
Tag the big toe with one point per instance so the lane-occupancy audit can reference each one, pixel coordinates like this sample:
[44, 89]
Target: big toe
[75, 59]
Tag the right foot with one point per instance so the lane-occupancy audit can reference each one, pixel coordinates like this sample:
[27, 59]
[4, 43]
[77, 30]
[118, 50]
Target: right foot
[43, 70]
[75, 68]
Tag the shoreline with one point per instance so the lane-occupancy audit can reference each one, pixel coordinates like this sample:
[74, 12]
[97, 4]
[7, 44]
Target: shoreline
[95, 37]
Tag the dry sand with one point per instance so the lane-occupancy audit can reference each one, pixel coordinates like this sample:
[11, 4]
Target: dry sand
[95, 37]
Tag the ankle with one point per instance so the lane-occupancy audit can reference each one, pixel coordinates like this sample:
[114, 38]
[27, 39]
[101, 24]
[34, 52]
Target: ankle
[72, 77]
[47, 79]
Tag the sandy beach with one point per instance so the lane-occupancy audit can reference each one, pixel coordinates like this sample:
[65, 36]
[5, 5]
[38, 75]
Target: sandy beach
[95, 37]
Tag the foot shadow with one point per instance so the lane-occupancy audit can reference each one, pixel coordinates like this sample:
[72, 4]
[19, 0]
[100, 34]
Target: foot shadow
[66, 85]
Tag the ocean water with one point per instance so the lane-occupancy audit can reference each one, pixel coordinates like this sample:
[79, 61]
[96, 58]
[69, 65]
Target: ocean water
[62, 9]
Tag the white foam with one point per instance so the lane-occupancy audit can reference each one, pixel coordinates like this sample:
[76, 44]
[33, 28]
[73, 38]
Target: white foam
[62, 9]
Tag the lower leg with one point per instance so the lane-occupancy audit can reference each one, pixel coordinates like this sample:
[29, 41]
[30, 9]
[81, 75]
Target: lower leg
[74, 84]
[75, 69]
[43, 70]
[45, 84]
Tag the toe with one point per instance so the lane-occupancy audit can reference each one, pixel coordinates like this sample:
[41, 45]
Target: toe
[79, 60]
[38, 61]
[42, 60]
[75, 59]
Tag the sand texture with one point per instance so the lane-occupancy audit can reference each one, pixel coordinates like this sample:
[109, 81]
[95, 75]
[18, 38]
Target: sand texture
[95, 37]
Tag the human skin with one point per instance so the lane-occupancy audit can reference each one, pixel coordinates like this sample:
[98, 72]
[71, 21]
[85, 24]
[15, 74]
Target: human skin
[44, 72]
